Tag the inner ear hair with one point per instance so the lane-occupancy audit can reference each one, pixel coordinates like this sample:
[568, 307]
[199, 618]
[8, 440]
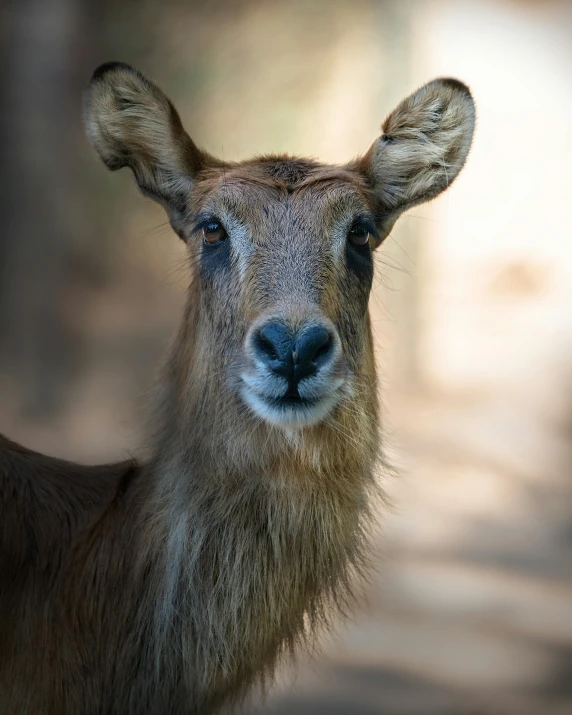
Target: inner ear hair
[424, 145]
[130, 122]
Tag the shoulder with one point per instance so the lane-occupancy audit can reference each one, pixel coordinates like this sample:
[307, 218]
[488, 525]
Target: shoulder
[46, 502]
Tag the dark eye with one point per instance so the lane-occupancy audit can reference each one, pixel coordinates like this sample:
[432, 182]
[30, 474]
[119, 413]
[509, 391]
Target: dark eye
[213, 232]
[358, 235]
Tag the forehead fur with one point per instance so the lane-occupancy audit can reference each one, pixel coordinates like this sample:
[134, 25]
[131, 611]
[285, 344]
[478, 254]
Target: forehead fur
[279, 174]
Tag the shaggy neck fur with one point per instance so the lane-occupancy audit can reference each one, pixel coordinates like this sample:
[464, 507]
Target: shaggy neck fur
[261, 533]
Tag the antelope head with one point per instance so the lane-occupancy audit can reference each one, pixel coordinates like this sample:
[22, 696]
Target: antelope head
[281, 249]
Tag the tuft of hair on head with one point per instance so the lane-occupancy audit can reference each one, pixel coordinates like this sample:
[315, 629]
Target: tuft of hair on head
[424, 145]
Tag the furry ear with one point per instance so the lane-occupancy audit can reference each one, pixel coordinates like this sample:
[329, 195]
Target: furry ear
[424, 145]
[130, 122]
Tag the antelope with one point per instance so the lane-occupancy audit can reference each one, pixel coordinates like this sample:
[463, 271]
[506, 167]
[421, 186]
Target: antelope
[177, 584]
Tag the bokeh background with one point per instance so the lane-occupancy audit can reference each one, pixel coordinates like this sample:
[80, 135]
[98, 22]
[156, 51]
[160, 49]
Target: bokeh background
[470, 608]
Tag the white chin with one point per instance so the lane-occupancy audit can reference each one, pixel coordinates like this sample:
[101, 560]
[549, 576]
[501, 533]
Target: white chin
[290, 415]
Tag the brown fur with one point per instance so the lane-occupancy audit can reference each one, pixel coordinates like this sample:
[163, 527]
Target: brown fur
[176, 585]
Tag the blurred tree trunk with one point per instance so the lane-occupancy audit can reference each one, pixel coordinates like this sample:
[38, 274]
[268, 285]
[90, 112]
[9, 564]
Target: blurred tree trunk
[46, 61]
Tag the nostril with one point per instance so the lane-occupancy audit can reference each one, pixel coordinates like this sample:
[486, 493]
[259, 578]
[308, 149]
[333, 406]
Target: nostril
[323, 350]
[274, 345]
[314, 348]
[265, 347]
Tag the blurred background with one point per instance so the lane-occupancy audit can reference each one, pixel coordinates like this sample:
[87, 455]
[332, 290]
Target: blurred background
[470, 608]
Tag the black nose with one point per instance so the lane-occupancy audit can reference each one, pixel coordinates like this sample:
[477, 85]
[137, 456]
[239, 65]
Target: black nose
[293, 356]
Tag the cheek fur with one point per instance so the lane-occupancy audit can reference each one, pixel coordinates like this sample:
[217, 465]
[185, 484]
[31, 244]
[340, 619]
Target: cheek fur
[221, 310]
[353, 291]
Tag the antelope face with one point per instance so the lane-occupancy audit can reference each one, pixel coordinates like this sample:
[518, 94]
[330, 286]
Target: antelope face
[285, 247]
[281, 249]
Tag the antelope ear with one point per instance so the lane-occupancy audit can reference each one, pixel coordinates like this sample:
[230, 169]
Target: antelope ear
[130, 122]
[424, 145]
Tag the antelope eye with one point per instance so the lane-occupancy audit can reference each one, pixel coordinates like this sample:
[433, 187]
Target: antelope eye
[358, 235]
[213, 232]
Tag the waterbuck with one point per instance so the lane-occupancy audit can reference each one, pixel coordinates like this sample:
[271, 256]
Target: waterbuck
[175, 584]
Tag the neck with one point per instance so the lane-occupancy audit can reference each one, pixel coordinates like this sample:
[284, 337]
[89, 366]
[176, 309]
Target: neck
[261, 533]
